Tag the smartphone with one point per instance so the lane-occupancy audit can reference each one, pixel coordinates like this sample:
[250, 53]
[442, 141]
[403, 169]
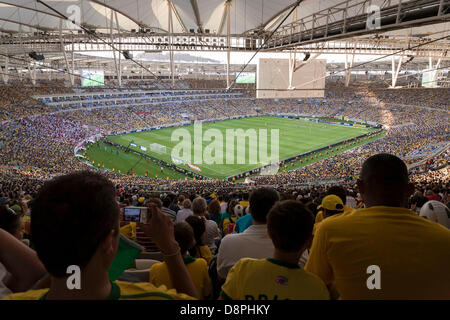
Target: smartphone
[135, 214]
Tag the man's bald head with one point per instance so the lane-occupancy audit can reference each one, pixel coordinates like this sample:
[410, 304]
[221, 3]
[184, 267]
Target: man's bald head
[384, 180]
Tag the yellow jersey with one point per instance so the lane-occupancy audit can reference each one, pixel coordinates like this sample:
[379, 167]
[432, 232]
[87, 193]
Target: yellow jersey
[244, 203]
[120, 290]
[205, 253]
[129, 230]
[197, 268]
[270, 279]
[319, 217]
[412, 255]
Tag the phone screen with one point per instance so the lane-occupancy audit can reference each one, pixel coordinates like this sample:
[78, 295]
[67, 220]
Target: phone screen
[132, 214]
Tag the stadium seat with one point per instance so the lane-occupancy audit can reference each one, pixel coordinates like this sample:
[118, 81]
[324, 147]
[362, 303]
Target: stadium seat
[142, 264]
[151, 256]
[143, 275]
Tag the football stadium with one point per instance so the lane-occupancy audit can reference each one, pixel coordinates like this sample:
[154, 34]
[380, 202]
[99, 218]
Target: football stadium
[224, 150]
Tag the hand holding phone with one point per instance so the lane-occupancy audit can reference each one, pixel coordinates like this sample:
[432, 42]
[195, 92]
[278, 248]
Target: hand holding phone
[159, 228]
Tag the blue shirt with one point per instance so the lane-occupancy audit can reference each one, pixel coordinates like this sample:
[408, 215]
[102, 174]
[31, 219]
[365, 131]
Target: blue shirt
[243, 223]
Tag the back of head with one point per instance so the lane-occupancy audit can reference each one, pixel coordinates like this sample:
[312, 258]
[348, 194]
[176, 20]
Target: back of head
[384, 181]
[167, 201]
[231, 204]
[214, 207]
[198, 226]
[261, 201]
[338, 191]
[437, 212]
[290, 225]
[187, 204]
[184, 235]
[156, 201]
[70, 217]
[199, 205]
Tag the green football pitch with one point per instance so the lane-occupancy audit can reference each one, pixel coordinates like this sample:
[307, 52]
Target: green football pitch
[295, 137]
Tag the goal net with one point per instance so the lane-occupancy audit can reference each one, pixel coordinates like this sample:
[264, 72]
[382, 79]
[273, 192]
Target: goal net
[158, 148]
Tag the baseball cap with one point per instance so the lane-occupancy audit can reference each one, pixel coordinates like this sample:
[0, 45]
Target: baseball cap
[4, 200]
[17, 208]
[437, 212]
[141, 200]
[332, 202]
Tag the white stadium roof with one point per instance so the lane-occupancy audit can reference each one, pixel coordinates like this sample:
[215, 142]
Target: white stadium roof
[245, 15]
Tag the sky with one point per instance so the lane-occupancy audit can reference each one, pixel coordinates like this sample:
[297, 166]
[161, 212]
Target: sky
[244, 57]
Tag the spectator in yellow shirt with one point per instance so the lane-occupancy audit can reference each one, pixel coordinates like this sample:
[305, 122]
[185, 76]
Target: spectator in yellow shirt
[384, 251]
[129, 230]
[342, 194]
[197, 268]
[289, 225]
[332, 206]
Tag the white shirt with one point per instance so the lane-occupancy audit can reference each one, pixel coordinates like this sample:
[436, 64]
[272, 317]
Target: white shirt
[212, 233]
[183, 214]
[351, 202]
[254, 242]
[223, 207]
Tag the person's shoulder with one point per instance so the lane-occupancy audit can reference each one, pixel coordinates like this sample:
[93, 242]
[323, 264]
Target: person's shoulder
[231, 238]
[200, 262]
[244, 218]
[204, 249]
[249, 263]
[27, 295]
[315, 285]
[312, 277]
[158, 266]
[435, 227]
[147, 291]
[334, 224]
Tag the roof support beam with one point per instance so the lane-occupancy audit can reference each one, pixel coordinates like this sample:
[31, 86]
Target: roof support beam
[224, 15]
[5, 75]
[194, 5]
[32, 73]
[63, 49]
[111, 28]
[396, 70]
[170, 28]
[228, 45]
[177, 15]
[278, 14]
[27, 8]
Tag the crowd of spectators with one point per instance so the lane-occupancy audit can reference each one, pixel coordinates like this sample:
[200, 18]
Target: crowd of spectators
[313, 243]
[41, 145]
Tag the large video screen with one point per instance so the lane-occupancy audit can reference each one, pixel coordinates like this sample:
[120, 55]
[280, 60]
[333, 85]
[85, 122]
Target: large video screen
[427, 77]
[246, 77]
[92, 77]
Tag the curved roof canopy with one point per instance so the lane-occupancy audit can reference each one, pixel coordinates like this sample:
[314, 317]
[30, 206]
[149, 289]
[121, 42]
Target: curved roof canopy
[30, 15]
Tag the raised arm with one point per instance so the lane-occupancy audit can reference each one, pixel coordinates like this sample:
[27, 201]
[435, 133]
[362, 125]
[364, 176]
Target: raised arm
[21, 262]
[160, 230]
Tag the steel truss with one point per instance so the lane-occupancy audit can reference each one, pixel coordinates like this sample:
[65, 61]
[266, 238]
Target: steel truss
[353, 18]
